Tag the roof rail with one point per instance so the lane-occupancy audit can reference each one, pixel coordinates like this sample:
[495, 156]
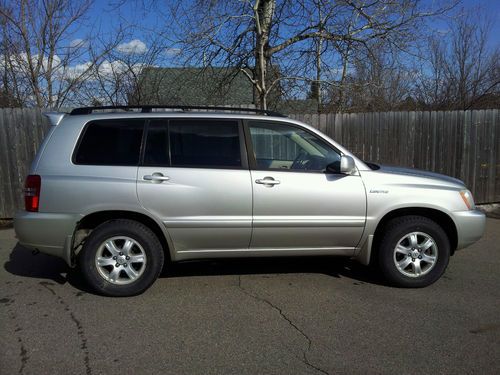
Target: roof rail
[184, 108]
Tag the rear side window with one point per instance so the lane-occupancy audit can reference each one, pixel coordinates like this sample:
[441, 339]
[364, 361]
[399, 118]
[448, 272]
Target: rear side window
[194, 143]
[111, 142]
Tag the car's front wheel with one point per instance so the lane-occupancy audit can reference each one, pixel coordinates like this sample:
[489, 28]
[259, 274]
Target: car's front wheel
[121, 258]
[413, 252]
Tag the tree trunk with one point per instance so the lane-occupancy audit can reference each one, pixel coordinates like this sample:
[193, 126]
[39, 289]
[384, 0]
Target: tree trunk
[263, 13]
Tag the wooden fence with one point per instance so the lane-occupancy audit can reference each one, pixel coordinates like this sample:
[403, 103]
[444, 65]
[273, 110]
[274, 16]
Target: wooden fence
[21, 132]
[462, 144]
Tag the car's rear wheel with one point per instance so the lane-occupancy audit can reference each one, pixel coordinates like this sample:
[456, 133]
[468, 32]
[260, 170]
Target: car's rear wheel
[413, 252]
[121, 258]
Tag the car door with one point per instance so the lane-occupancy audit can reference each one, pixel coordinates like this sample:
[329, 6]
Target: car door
[195, 178]
[297, 204]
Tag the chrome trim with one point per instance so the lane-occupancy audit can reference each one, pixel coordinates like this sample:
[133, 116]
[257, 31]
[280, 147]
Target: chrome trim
[264, 252]
[208, 222]
[278, 221]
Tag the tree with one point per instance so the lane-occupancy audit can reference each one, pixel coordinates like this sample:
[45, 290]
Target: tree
[256, 35]
[38, 52]
[115, 79]
[462, 66]
[379, 81]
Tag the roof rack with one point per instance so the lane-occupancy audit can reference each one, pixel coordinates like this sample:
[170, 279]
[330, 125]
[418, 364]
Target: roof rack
[184, 108]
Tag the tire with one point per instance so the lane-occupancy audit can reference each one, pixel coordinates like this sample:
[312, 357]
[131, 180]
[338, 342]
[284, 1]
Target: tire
[121, 258]
[414, 252]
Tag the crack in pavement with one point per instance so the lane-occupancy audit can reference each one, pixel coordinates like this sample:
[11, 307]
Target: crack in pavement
[78, 324]
[304, 360]
[23, 354]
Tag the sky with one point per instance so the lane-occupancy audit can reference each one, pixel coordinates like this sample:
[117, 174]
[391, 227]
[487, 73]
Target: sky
[105, 15]
[492, 8]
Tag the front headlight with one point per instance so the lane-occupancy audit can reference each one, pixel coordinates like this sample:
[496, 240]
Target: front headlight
[468, 199]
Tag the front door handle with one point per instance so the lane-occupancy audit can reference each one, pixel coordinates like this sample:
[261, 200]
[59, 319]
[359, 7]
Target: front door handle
[267, 181]
[156, 177]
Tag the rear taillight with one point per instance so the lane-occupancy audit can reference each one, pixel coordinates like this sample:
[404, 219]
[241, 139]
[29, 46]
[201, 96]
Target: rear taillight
[32, 192]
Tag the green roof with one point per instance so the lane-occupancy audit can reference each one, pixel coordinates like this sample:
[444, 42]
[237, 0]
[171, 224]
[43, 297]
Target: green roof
[192, 86]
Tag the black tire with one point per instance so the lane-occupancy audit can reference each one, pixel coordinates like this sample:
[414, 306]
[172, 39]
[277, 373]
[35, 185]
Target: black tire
[395, 231]
[150, 247]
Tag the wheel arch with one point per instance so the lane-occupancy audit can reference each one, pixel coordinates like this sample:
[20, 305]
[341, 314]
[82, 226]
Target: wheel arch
[94, 219]
[439, 217]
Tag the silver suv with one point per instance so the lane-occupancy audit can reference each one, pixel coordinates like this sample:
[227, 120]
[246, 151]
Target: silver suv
[117, 193]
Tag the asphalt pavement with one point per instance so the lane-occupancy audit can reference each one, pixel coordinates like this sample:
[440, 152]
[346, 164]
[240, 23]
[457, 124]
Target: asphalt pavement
[266, 316]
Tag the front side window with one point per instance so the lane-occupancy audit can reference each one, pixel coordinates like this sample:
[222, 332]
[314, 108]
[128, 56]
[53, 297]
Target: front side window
[111, 142]
[204, 143]
[285, 147]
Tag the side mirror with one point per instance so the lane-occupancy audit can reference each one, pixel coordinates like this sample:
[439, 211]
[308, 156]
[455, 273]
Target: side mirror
[347, 165]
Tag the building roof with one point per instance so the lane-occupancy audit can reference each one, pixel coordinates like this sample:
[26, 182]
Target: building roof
[193, 86]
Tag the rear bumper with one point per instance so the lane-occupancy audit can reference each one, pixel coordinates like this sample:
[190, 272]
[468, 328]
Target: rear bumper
[47, 232]
[470, 227]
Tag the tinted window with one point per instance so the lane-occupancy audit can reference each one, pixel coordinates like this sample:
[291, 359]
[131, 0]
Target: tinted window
[204, 143]
[111, 142]
[285, 147]
[157, 153]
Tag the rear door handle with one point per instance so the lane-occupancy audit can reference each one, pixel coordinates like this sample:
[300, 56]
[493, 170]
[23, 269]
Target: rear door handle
[156, 177]
[269, 181]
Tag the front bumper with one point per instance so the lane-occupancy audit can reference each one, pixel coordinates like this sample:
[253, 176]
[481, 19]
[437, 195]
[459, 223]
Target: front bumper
[470, 226]
[49, 233]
